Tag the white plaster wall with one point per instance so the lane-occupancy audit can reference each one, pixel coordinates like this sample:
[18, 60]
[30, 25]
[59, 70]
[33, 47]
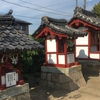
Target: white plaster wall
[70, 58]
[3, 80]
[94, 56]
[52, 58]
[51, 45]
[82, 52]
[82, 40]
[61, 59]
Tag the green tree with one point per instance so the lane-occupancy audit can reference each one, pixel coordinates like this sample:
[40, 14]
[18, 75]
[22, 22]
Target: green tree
[96, 9]
[31, 61]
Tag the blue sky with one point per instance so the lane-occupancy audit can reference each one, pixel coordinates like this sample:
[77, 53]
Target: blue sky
[33, 10]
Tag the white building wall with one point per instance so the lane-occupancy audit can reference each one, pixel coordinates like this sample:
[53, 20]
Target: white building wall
[70, 58]
[52, 58]
[3, 80]
[61, 59]
[82, 40]
[82, 52]
[51, 45]
[94, 56]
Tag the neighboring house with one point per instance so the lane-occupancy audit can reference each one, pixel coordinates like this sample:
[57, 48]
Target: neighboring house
[24, 25]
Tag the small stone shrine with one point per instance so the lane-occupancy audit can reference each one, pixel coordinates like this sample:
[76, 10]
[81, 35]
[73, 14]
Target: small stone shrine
[60, 70]
[12, 42]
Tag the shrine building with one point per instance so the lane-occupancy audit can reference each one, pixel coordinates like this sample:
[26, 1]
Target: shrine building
[59, 51]
[13, 41]
[87, 48]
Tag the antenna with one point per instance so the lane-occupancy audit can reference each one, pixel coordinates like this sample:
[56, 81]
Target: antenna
[76, 3]
[84, 4]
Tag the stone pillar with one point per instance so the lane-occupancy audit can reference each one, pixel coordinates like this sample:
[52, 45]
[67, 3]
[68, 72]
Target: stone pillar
[62, 78]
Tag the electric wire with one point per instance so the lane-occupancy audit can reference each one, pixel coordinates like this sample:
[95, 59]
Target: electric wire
[34, 8]
[42, 6]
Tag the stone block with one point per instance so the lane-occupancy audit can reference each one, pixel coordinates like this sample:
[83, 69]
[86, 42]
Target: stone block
[72, 77]
[76, 76]
[57, 86]
[55, 77]
[81, 82]
[43, 76]
[25, 96]
[19, 92]
[66, 86]
[49, 77]
[64, 78]
[43, 83]
[50, 84]
[73, 86]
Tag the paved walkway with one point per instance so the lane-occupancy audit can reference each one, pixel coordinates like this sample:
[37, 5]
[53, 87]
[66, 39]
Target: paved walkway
[91, 91]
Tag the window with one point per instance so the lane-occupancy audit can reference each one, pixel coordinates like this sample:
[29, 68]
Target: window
[95, 41]
[23, 27]
[70, 46]
[60, 45]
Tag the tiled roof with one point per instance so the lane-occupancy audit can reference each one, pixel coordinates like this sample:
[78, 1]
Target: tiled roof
[22, 21]
[87, 16]
[12, 38]
[59, 26]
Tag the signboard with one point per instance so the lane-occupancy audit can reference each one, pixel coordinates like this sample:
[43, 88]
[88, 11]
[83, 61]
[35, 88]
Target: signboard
[10, 79]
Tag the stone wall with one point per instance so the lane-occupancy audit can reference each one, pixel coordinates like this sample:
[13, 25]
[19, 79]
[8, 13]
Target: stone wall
[19, 92]
[62, 78]
[90, 66]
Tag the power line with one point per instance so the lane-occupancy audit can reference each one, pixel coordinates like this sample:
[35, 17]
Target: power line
[59, 3]
[42, 6]
[27, 17]
[33, 8]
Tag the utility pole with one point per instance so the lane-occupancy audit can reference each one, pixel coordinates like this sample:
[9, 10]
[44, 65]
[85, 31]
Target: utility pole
[76, 3]
[84, 6]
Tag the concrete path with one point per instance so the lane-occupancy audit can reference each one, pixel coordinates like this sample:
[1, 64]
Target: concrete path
[91, 91]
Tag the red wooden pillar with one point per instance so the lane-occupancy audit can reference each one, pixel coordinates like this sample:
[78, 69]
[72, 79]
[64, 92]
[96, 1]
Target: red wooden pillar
[19, 70]
[0, 79]
[19, 67]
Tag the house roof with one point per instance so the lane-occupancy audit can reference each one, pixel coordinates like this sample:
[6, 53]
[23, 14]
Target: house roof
[12, 38]
[87, 16]
[22, 21]
[59, 26]
[8, 15]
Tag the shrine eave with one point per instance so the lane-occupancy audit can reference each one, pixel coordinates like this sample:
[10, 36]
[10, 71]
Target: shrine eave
[88, 17]
[60, 28]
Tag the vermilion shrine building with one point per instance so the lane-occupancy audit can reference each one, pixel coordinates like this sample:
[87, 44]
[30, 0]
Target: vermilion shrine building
[87, 47]
[58, 39]
[13, 41]
[60, 61]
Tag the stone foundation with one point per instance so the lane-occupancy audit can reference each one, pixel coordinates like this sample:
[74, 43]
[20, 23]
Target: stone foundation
[90, 66]
[19, 92]
[62, 78]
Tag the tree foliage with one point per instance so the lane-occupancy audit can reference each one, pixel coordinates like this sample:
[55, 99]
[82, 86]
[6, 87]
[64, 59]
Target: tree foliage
[31, 61]
[96, 9]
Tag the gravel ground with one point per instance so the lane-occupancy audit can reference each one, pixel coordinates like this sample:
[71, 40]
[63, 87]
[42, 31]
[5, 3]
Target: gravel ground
[91, 91]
